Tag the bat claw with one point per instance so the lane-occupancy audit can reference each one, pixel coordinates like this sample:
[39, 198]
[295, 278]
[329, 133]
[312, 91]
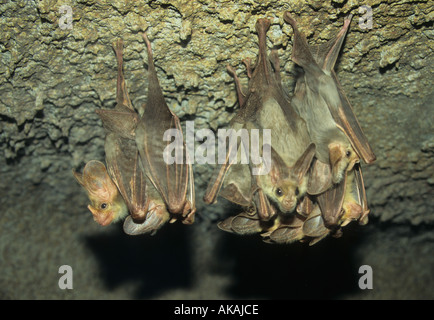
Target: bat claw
[248, 63]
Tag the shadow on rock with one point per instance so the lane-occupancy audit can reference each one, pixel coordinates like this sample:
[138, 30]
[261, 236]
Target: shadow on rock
[156, 263]
[327, 270]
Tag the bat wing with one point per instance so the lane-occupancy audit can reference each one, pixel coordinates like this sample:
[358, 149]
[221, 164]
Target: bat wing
[218, 178]
[119, 120]
[342, 112]
[286, 233]
[243, 223]
[150, 225]
[331, 202]
[320, 177]
[171, 176]
[124, 167]
[246, 224]
[361, 194]
[314, 224]
[301, 53]
[322, 67]
[123, 119]
[237, 188]
[347, 121]
[157, 217]
[265, 209]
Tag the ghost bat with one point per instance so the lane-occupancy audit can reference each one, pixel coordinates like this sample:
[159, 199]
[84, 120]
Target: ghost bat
[123, 162]
[107, 204]
[322, 103]
[265, 106]
[320, 100]
[345, 202]
[149, 204]
[310, 229]
[173, 181]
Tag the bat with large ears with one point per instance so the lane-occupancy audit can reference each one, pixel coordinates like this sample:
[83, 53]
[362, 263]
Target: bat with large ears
[107, 204]
[265, 106]
[171, 176]
[322, 103]
[147, 211]
[143, 182]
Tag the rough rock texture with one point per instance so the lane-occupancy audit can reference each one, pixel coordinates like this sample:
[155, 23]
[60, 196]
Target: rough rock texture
[52, 80]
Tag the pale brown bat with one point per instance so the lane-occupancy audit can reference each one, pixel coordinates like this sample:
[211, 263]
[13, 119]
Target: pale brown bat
[321, 101]
[143, 183]
[123, 161]
[336, 174]
[265, 106]
[107, 204]
[173, 181]
[346, 201]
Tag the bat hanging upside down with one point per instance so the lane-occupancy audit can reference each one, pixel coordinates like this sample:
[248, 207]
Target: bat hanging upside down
[308, 185]
[140, 181]
[315, 185]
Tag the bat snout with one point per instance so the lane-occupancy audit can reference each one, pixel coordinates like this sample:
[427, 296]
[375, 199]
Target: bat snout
[103, 218]
[288, 204]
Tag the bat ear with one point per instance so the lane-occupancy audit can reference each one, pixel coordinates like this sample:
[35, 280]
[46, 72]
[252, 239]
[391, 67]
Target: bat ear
[302, 165]
[278, 169]
[78, 177]
[97, 181]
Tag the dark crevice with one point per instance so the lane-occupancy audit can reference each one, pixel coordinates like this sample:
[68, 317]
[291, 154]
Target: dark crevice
[5, 118]
[184, 43]
[427, 24]
[387, 68]
[338, 5]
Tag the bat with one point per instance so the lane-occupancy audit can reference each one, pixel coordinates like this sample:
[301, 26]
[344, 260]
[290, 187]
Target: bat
[265, 106]
[123, 161]
[310, 228]
[107, 204]
[173, 181]
[335, 175]
[307, 225]
[155, 192]
[321, 101]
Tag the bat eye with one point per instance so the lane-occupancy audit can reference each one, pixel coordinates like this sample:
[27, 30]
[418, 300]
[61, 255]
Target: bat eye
[279, 192]
[103, 205]
[297, 192]
[348, 153]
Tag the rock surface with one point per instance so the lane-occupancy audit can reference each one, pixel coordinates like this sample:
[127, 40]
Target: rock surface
[52, 79]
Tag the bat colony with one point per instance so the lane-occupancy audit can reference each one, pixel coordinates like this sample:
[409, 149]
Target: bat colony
[313, 184]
